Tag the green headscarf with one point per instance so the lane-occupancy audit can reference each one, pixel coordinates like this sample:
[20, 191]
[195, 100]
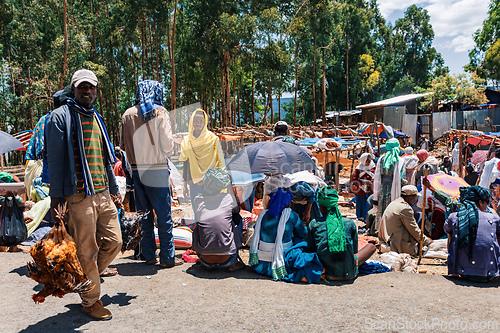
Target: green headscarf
[392, 155]
[328, 197]
[215, 180]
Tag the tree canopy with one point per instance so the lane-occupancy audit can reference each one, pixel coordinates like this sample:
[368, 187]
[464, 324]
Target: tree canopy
[233, 58]
[485, 56]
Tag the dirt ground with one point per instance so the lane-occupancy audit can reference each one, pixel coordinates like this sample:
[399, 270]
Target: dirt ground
[188, 299]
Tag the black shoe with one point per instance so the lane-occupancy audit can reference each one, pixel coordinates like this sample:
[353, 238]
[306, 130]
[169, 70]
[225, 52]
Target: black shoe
[151, 262]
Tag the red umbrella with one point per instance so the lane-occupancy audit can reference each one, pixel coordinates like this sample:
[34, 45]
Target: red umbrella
[479, 156]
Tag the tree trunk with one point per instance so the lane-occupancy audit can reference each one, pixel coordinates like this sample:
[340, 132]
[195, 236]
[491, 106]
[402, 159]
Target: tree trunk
[279, 104]
[347, 72]
[157, 51]
[32, 125]
[188, 90]
[296, 84]
[94, 44]
[323, 95]
[227, 91]
[222, 104]
[143, 42]
[253, 100]
[270, 92]
[233, 107]
[264, 120]
[171, 48]
[313, 82]
[65, 56]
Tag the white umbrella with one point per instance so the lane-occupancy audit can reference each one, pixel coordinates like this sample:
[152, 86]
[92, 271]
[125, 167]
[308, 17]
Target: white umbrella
[8, 143]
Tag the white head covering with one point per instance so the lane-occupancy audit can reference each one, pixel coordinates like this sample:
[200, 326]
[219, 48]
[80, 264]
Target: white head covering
[409, 150]
[362, 161]
[455, 153]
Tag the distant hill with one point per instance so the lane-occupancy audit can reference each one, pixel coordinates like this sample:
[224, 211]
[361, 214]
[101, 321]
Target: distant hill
[275, 106]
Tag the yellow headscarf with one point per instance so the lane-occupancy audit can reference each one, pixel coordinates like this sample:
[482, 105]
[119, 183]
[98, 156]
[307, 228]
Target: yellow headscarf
[203, 152]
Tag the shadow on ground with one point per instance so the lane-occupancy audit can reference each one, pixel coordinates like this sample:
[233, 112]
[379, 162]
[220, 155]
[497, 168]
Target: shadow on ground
[467, 283]
[69, 321]
[218, 274]
[136, 268]
[74, 318]
[21, 271]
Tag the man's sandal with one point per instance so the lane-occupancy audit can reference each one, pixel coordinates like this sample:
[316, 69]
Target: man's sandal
[109, 272]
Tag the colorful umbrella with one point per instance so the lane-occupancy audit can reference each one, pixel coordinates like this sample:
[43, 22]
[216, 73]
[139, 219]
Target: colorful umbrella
[448, 184]
[479, 156]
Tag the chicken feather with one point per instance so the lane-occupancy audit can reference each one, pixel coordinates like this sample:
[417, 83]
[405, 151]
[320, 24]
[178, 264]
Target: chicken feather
[55, 263]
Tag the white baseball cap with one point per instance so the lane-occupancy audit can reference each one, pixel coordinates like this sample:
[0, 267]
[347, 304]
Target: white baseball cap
[281, 122]
[84, 75]
[409, 190]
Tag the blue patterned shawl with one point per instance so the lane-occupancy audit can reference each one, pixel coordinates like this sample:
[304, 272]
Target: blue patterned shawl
[149, 96]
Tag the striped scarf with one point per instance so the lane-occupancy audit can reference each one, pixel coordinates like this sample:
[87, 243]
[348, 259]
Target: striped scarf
[108, 146]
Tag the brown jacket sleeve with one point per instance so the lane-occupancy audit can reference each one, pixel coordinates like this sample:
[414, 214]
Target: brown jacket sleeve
[410, 223]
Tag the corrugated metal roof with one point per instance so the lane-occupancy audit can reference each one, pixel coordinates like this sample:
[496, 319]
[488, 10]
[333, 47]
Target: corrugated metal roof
[330, 114]
[392, 101]
[333, 114]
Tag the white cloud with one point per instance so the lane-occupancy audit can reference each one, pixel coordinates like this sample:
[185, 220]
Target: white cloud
[459, 44]
[454, 21]
[386, 7]
[457, 17]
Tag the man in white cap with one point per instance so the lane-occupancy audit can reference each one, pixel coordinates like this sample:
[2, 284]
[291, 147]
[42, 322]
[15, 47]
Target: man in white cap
[80, 158]
[281, 134]
[398, 228]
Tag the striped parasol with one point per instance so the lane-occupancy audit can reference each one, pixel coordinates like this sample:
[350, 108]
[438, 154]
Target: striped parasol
[24, 137]
[448, 184]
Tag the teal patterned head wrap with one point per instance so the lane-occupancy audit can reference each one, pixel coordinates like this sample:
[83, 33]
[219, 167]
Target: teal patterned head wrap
[392, 155]
[215, 180]
[468, 215]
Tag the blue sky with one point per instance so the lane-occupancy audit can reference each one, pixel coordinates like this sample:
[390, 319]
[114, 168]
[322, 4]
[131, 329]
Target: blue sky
[454, 23]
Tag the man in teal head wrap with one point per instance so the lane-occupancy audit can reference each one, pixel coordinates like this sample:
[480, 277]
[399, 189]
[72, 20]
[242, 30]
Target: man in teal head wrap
[390, 176]
[335, 239]
[392, 155]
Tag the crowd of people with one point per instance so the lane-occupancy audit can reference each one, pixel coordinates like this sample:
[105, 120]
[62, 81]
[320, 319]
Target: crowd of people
[300, 235]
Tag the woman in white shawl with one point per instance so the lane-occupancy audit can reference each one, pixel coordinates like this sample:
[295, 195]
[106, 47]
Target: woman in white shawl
[389, 178]
[363, 184]
[490, 179]
[455, 156]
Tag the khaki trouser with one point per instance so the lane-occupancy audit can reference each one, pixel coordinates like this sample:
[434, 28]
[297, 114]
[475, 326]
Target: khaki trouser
[93, 223]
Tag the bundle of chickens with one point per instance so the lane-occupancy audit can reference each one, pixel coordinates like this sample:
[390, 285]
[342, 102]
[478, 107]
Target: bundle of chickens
[56, 264]
[130, 224]
[132, 232]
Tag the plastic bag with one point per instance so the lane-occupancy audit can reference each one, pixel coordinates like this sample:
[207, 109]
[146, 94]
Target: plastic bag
[12, 227]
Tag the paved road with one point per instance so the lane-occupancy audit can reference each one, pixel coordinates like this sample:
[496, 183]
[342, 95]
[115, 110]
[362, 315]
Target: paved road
[189, 299]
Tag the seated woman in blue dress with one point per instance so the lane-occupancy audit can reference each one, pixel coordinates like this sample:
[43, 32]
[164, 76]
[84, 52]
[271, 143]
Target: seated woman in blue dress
[473, 233]
[335, 239]
[277, 230]
[304, 202]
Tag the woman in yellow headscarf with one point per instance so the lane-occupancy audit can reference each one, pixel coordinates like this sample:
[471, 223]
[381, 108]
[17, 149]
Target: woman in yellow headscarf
[200, 151]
